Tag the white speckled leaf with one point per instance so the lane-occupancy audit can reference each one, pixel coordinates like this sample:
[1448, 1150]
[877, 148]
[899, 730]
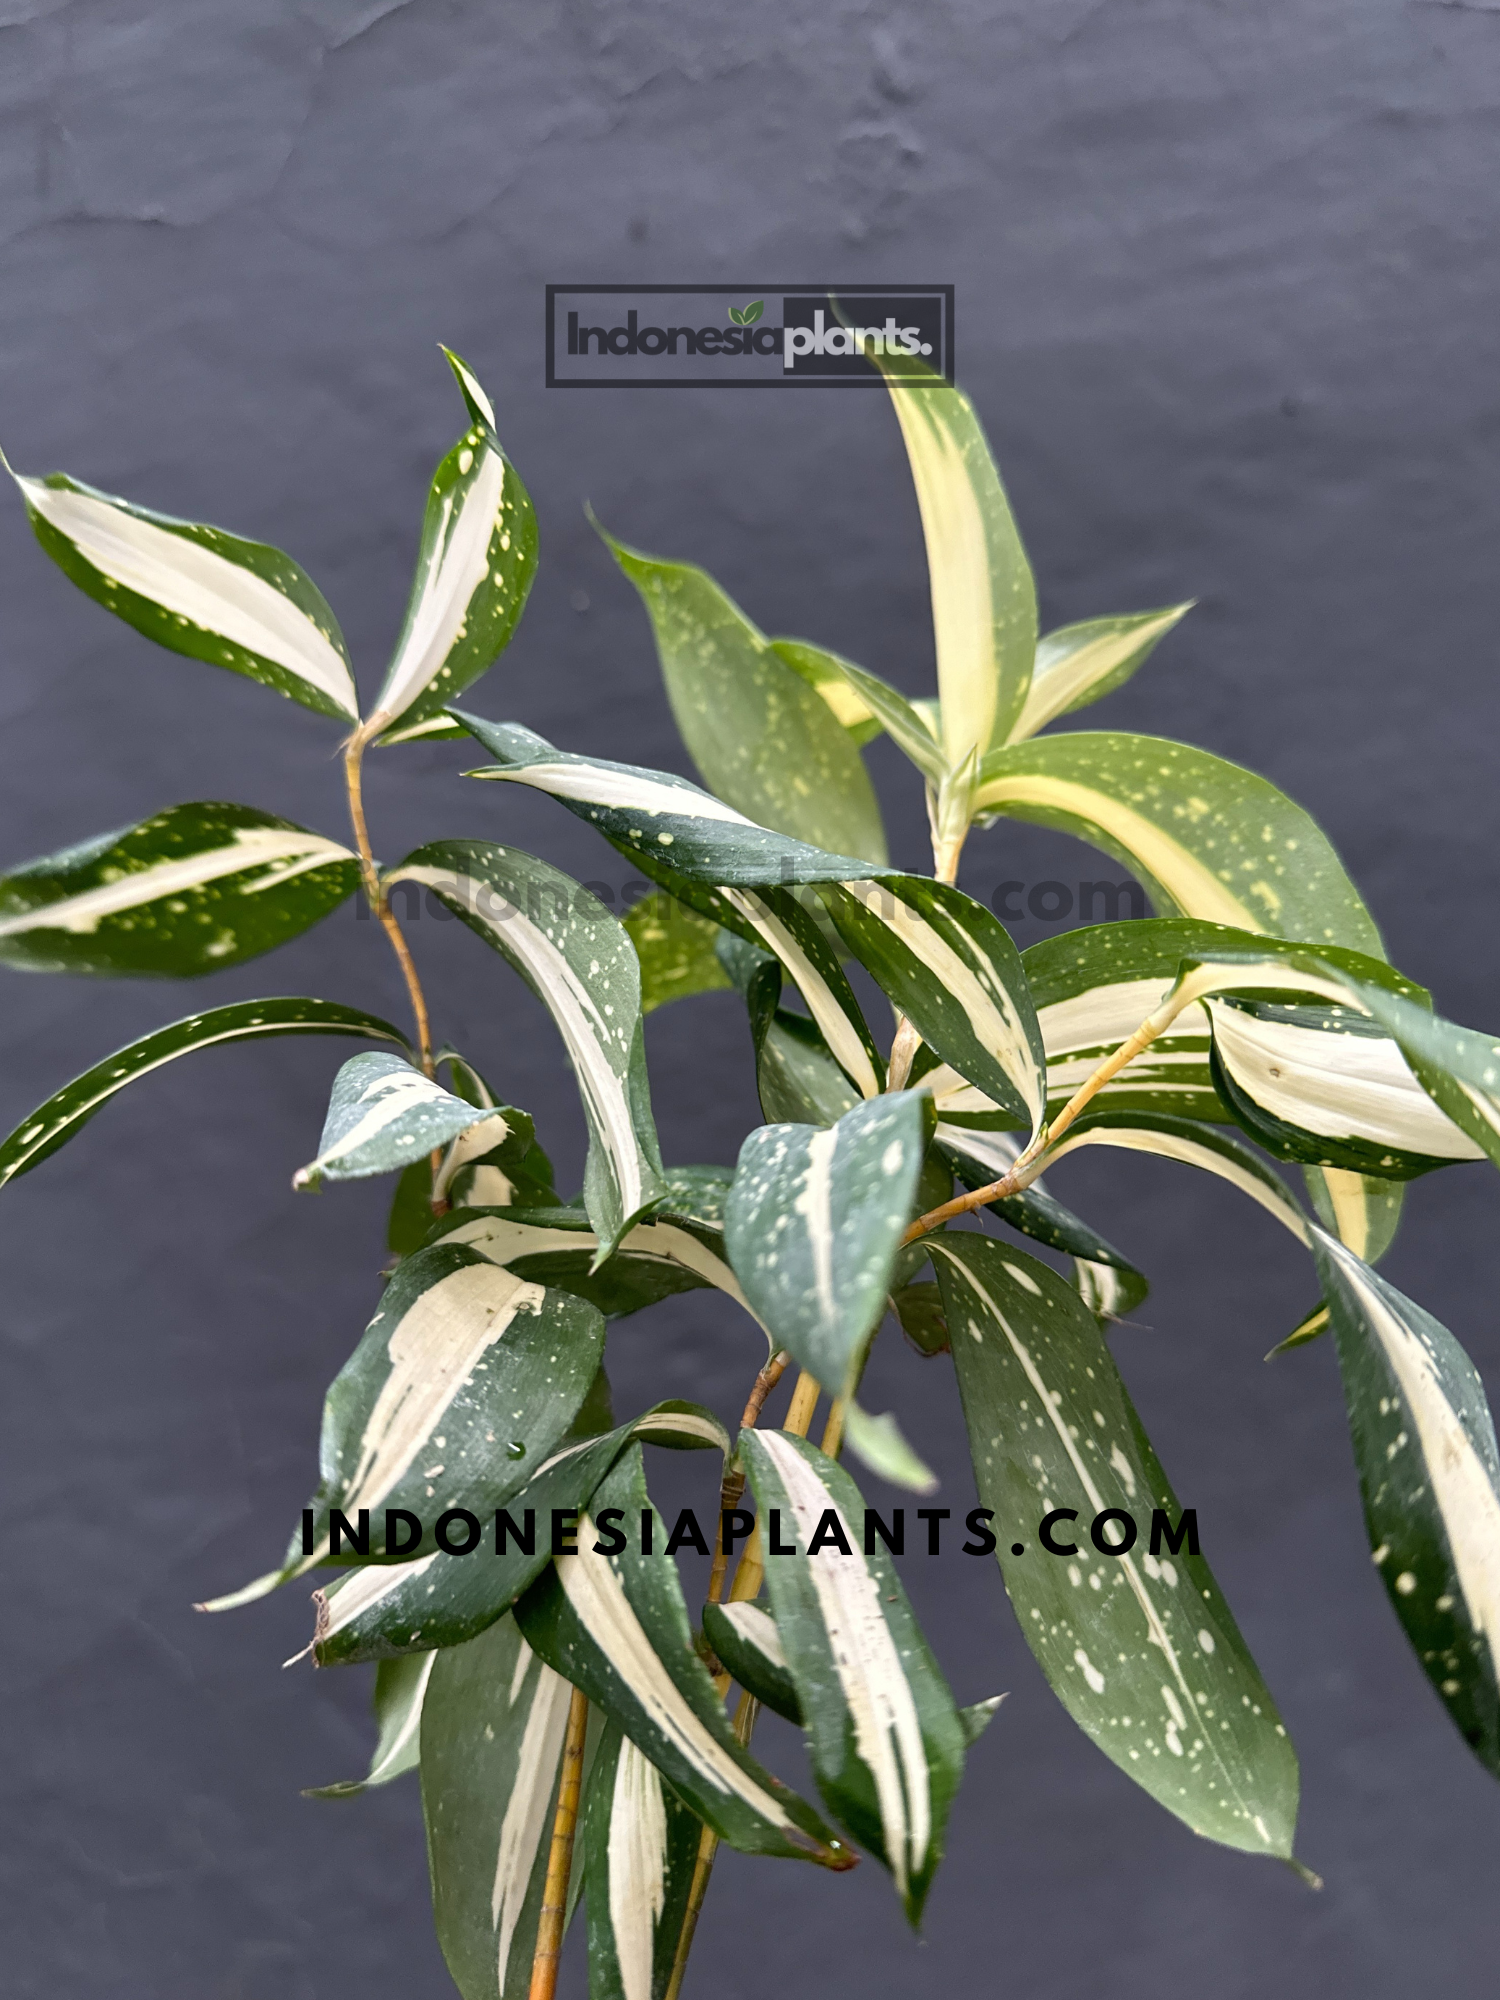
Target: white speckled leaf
[1141, 1649]
[1079, 664]
[382, 1114]
[865, 704]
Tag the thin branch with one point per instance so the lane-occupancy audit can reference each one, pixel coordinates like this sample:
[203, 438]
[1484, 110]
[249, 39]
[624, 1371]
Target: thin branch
[732, 1490]
[354, 751]
[549, 1930]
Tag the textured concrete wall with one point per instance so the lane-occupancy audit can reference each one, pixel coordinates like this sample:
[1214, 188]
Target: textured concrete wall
[1226, 285]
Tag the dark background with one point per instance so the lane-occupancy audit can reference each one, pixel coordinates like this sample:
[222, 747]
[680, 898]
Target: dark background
[1226, 300]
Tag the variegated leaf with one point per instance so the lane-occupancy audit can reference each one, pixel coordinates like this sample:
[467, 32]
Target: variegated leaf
[579, 962]
[52, 1124]
[197, 590]
[676, 949]
[749, 1649]
[616, 1626]
[400, 1688]
[1429, 1472]
[780, 924]
[887, 1743]
[814, 1224]
[1079, 664]
[825, 672]
[492, 1740]
[1139, 1646]
[983, 596]
[865, 704]
[639, 1844]
[191, 890]
[383, 1114]
[474, 570]
[952, 970]
[761, 737]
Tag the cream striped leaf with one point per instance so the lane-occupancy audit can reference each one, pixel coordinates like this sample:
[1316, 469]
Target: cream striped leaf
[865, 704]
[52, 1124]
[1079, 664]
[197, 590]
[384, 1610]
[886, 1740]
[616, 1626]
[983, 595]
[581, 965]
[1140, 1647]
[492, 1740]
[194, 889]
[400, 1688]
[814, 1224]
[826, 672]
[474, 569]
[639, 1844]
[1429, 1473]
[783, 927]
[383, 1113]
[748, 1646]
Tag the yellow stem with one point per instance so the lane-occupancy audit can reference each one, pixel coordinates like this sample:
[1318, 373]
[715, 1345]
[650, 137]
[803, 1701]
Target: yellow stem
[799, 1414]
[833, 1430]
[732, 1491]
[354, 751]
[549, 1930]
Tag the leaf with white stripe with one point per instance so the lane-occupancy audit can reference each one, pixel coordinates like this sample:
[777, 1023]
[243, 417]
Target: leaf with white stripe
[814, 1224]
[382, 1114]
[197, 590]
[492, 1741]
[191, 890]
[865, 704]
[760, 736]
[400, 1688]
[983, 595]
[749, 1649]
[1140, 1648]
[1079, 664]
[54, 1123]
[676, 949]
[952, 970]
[617, 1626]
[780, 924]
[639, 1844]
[475, 567]
[1429, 1474]
[384, 1610]
[886, 1740]
[581, 965]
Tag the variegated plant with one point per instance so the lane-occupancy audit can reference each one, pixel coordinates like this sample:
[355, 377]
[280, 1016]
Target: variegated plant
[568, 1721]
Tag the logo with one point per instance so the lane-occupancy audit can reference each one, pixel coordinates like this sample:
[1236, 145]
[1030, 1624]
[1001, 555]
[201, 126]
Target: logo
[742, 336]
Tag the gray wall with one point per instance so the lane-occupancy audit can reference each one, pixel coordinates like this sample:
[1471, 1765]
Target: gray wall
[1226, 298]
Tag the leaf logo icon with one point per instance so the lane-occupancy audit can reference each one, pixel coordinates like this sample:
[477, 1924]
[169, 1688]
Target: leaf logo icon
[747, 315]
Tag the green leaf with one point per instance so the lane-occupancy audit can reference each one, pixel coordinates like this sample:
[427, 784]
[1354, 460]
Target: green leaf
[492, 1739]
[676, 949]
[579, 962]
[865, 704]
[400, 1687]
[639, 1846]
[616, 1625]
[410, 1215]
[827, 674]
[951, 969]
[1079, 664]
[475, 567]
[1429, 1474]
[384, 1610]
[878, 1443]
[983, 596]
[752, 312]
[492, 1164]
[814, 1223]
[52, 1124]
[383, 1114]
[1362, 1212]
[919, 1308]
[761, 738]
[1140, 1648]
[886, 1740]
[780, 924]
[749, 1649]
[191, 890]
[197, 590]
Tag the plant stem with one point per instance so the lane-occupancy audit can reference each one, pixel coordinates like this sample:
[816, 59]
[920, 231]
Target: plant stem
[804, 1401]
[549, 1931]
[833, 1430]
[733, 1489]
[354, 752]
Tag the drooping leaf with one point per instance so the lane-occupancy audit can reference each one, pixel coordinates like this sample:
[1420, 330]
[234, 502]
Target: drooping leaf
[197, 590]
[639, 1843]
[191, 890]
[887, 1744]
[400, 1688]
[824, 671]
[1429, 1474]
[983, 595]
[382, 1115]
[492, 1740]
[760, 736]
[52, 1124]
[474, 569]
[676, 949]
[814, 1223]
[616, 1625]
[1362, 1212]
[1079, 664]
[749, 1648]
[577, 959]
[1139, 1646]
[496, 1163]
